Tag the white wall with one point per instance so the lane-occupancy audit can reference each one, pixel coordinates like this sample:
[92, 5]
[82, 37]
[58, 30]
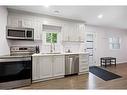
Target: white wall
[102, 43]
[4, 48]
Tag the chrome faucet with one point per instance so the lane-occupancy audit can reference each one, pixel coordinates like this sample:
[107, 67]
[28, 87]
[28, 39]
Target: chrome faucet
[52, 47]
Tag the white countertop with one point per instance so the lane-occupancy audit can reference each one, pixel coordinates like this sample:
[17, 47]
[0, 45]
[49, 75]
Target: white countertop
[50, 54]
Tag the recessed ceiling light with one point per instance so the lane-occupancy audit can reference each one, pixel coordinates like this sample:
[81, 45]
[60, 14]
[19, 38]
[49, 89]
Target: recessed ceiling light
[100, 16]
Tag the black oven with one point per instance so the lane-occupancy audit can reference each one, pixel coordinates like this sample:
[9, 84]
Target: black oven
[15, 72]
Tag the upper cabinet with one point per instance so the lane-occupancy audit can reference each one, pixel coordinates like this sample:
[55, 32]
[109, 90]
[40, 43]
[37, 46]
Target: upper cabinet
[81, 30]
[74, 32]
[37, 30]
[12, 21]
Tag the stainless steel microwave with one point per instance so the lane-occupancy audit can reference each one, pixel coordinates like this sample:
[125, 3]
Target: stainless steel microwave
[20, 33]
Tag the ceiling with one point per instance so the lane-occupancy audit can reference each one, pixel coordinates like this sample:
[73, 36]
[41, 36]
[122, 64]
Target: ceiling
[113, 16]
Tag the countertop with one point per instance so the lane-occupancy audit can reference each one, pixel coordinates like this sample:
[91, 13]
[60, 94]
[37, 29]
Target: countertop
[39, 54]
[50, 54]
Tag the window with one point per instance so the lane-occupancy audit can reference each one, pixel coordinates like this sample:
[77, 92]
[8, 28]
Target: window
[51, 37]
[51, 34]
[114, 43]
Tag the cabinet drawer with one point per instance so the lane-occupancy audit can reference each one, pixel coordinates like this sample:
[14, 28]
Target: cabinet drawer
[83, 61]
[82, 56]
[83, 65]
[83, 69]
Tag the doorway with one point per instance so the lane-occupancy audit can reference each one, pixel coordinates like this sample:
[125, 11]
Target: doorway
[90, 47]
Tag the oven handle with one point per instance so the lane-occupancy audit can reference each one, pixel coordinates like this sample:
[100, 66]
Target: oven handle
[14, 59]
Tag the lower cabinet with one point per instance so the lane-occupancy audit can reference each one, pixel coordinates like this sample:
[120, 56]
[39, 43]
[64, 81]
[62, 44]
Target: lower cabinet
[53, 66]
[83, 63]
[35, 68]
[58, 65]
[47, 67]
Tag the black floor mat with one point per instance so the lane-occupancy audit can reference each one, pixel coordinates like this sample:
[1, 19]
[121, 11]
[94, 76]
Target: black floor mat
[103, 74]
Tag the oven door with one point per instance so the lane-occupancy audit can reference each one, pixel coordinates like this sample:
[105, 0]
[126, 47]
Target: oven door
[15, 69]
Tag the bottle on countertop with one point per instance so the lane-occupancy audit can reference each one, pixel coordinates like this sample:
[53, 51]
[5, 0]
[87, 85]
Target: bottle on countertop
[37, 49]
[69, 51]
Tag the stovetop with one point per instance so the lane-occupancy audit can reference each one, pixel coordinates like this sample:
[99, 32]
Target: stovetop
[20, 52]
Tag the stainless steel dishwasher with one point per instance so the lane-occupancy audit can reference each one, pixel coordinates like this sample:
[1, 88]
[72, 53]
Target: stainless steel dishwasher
[71, 64]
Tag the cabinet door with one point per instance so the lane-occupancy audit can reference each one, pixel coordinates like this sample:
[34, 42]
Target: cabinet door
[37, 31]
[83, 63]
[74, 32]
[81, 30]
[70, 32]
[45, 66]
[12, 21]
[58, 65]
[35, 68]
[27, 23]
[65, 31]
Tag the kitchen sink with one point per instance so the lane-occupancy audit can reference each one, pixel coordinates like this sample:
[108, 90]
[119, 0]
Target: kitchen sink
[52, 53]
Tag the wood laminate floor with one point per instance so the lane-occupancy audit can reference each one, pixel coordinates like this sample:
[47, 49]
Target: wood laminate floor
[86, 81]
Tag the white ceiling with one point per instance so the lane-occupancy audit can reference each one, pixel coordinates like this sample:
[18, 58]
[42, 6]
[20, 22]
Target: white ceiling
[113, 16]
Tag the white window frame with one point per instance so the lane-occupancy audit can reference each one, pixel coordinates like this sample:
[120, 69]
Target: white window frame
[114, 41]
[51, 31]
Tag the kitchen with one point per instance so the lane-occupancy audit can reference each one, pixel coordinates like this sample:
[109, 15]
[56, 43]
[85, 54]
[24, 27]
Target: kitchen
[49, 62]
[39, 48]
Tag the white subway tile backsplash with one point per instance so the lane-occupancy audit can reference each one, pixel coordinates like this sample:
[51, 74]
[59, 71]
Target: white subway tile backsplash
[74, 47]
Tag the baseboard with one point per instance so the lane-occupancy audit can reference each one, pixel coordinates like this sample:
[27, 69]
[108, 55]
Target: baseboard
[116, 63]
[121, 62]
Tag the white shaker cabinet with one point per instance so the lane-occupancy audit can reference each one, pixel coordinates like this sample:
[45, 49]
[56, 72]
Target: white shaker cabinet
[12, 21]
[37, 30]
[41, 67]
[19, 22]
[70, 33]
[58, 65]
[35, 68]
[47, 67]
[74, 32]
[83, 63]
[81, 30]
[66, 32]
[28, 23]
